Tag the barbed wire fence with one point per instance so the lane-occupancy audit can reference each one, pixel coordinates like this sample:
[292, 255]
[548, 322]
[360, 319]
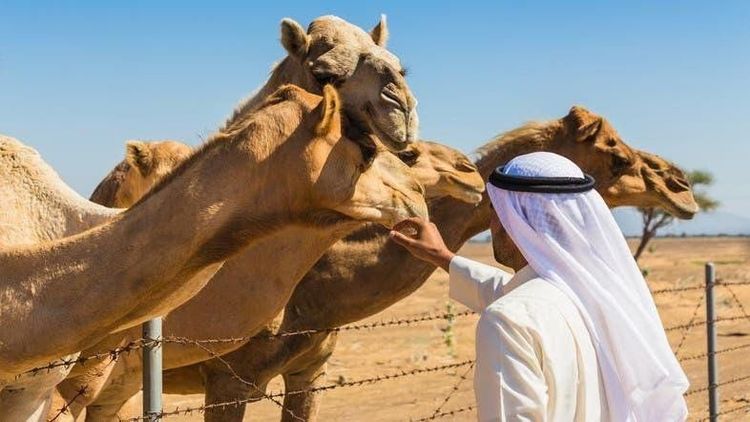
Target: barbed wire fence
[710, 356]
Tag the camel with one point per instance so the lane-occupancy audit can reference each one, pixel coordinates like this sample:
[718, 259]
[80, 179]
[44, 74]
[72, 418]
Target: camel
[328, 176]
[365, 273]
[40, 207]
[145, 164]
[369, 78]
[236, 303]
[37, 205]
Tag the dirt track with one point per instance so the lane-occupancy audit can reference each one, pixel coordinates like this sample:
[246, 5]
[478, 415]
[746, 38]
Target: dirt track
[672, 263]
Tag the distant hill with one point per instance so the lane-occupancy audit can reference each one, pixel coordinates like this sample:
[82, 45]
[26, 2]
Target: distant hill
[712, 223]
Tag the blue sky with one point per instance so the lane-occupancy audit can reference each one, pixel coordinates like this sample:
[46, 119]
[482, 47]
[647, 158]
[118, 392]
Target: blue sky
[78, 79]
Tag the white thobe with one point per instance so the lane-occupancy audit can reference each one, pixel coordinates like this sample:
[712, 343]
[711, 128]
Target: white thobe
[535, 358]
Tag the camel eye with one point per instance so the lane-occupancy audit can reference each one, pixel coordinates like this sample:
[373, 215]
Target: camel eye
[404, 71]
[611, 143]
[325, 78]
[409, 157]
[619, 164]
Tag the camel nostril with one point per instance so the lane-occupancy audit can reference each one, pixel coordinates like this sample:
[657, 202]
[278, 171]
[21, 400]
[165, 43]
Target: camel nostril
[677, 185]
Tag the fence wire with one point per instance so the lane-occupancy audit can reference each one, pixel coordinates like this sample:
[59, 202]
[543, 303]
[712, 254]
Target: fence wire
[277, 395]
[438, 413]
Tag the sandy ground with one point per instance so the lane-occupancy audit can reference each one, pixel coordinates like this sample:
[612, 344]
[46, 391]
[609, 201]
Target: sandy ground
[670, 263]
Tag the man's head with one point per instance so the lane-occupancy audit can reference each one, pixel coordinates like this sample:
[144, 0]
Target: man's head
[533, 183]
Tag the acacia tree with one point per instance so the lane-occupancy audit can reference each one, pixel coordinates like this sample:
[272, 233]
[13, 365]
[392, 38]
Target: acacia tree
[655, 219]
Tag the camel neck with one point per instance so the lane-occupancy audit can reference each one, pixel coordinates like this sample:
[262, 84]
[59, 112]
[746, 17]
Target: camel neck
[150, 259]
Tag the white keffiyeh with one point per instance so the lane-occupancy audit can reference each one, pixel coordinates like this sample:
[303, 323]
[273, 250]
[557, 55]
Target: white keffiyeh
[572, 241]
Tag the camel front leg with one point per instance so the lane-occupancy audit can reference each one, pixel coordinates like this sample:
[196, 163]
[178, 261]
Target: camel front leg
[84, 384]
[124, 382]
[304, 373]
[304, 405]
[30, 397]
[223, 387]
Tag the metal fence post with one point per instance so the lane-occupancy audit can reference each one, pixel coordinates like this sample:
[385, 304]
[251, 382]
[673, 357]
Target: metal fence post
[713, 390]
[152, 383]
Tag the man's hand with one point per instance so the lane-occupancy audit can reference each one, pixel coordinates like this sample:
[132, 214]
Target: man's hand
[426, 244]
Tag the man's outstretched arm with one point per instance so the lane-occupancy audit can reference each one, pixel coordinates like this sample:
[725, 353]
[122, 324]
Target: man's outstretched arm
[472, 283]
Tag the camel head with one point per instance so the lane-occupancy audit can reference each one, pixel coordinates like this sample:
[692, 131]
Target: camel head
[347, 169]
[443, 171]
[624, 175]
[370, 79]
[145, 163]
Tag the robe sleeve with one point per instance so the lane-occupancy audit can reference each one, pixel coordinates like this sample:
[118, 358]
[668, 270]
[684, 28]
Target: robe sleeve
[509, 381]
[474, 284]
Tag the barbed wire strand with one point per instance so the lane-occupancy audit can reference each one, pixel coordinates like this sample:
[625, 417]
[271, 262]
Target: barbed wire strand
[718, 352]
[688, 329]
[236, 376]
[112, 354]
[676, 289]
[730, 410]
[353, 327]
[355, 383]
[699, 323]
[142, 342]
[66, 406]
[705, 388]
[736, 299]
[453, 390]
[444, 414]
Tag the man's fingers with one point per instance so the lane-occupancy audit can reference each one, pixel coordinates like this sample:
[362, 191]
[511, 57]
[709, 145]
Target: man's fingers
[412, 221]
[402, 239]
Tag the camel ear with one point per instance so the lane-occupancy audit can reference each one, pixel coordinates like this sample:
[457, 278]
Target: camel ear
[583, 124]
[294, 38]
[330, 117]
[138, 155]
[379, 33]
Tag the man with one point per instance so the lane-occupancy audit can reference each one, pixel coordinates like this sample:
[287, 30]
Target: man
[574, 335]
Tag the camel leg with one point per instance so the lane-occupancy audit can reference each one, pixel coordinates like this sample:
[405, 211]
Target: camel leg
[30, 397]
[304, 406]
[83, 386]
[221, 387]
[257, 361]
[125, 382]
[25, 405]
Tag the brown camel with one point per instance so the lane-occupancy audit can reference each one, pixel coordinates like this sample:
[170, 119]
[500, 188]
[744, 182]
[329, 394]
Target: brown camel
[145, 164]
[40, 207]
[327, 177]
[236, 303]
[365, 273]
[369, 78]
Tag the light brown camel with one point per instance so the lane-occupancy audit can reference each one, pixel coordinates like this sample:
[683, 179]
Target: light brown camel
[145, 163]
[365, 273]
[237, 303]
[38, 206]
[327, 177]
[369, 78]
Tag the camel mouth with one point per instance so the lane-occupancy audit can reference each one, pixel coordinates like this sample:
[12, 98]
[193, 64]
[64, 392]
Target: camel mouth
[468, 192]
[684, 211]
[386, 215]
[392, 141]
